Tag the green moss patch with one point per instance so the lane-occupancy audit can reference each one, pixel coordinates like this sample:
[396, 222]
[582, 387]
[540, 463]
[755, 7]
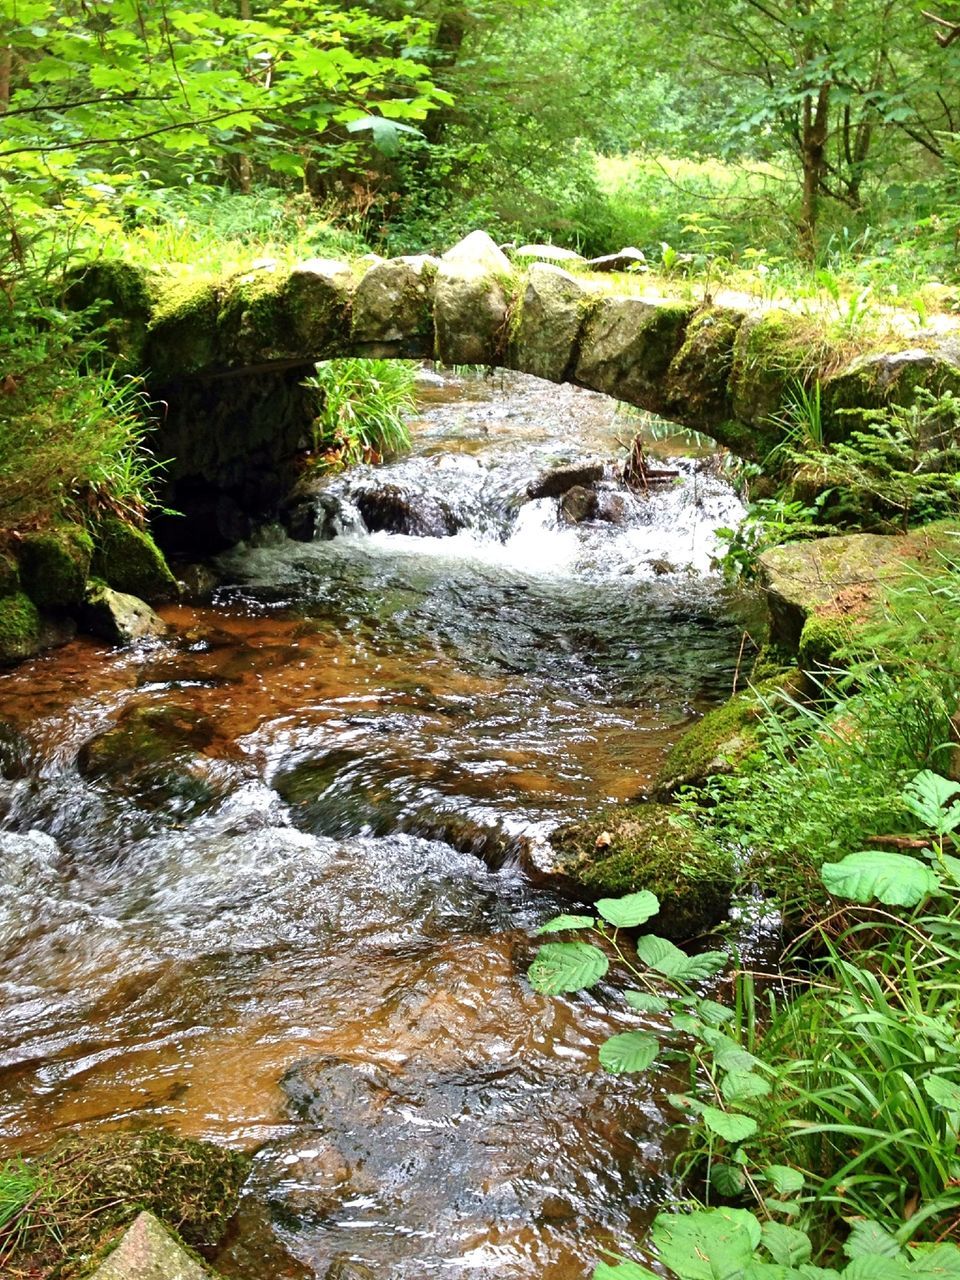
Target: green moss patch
[184, 332]
[649, 846]
[725, 737]
[9, 574]
[84, 1189]
[20, 630]
[697, 381]
[129, 560]
[54, 565]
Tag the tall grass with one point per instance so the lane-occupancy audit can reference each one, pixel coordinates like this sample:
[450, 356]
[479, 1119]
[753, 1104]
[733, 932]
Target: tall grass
[363, 409]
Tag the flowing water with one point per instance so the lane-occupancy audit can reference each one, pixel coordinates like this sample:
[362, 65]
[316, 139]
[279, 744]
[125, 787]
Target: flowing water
[260, 881]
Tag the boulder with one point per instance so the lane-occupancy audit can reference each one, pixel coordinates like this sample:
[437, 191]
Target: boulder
[626, 848]
[319, 296]
[546, 253]
[579, 504]
[555, 482]
[393, 509]
[21, 629]
[552, 313]
[698, 378]
[117, 617]
[149, 1251]
[721, 741]
[128, 559]
[54, 565]
[622, 261]
[872, 381]
[393, 308]
[472, 304]
[628, 345]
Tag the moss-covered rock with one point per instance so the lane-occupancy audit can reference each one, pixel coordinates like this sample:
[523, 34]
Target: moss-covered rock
[21, 633]
[147, 1250]
[319, 298]
[628, 346]
[253, 319]
[878, 379]
[129, 560]
[472, 304]
[9, 574]
[54, 565]
[184, 334]
[648, 846]
[119, 296]
[772, 351]
[725, 737]
[91, 1187]
[698, 379]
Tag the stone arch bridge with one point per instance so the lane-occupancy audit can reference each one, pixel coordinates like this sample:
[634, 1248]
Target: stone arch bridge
[225, 358]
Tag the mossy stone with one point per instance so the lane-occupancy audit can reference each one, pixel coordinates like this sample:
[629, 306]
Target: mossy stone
[644, 846]
[184, 333]
[628, 346]
[254, 321]
[725, 737]
[772, 351]
[93, 1186]
[9, 574]
[119, 294]
[129, 560]
[699, 374]
[20, 629]
[821, 639]
[54, 565]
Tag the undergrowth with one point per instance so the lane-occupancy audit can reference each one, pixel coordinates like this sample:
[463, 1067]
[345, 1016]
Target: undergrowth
[364, 405]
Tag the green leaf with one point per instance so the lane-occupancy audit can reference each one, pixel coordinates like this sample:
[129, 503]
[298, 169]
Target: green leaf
[786, 1245]
[730, 1125]
[727, 1054]
[786, 1181]
[789, 1208]
[767, 1271]
[710, 1244]
[818, 1273]
[687, 1023]
[876, 1268]
[625, 1270]
[936, 1262]
[869, 1240]
[629, 1051]
[892, 878]
[644, 1003]
[713, 1012]
[385, 133]
[567, 922]
[567, 966]
[661, 955]
[727, 1179]
[933, 800]
[741, 1086]
[629, 911]
[943, 1091]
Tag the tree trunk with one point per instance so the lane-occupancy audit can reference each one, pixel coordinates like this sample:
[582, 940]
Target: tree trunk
[813, 143]
[6, 71]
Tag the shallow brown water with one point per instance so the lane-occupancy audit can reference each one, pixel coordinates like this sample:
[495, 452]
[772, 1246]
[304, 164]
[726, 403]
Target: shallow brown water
[252, 912]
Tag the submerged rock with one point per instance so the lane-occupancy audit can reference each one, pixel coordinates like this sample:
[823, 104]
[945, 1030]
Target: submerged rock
[389, 508]
[579, 504]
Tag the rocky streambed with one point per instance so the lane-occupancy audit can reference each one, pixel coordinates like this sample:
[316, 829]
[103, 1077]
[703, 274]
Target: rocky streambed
[270, 879]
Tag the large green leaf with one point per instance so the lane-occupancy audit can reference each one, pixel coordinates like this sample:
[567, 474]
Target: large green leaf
[727, 1179]
[710, 1244]
[559, 923]
[936, 1262]
[643, 1002]
[877, 1268]
[740, 1086]
[786, 1245]
[627, 912]
[730, 1125]
[624, 1270]
[661, 955]
[786, 1181]
[629, 1051]
[933, 800]
[567, 966]
[868, 1239]
[874, 875]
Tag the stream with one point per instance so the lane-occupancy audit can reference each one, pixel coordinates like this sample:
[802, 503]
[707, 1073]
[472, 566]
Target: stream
[263, 882]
